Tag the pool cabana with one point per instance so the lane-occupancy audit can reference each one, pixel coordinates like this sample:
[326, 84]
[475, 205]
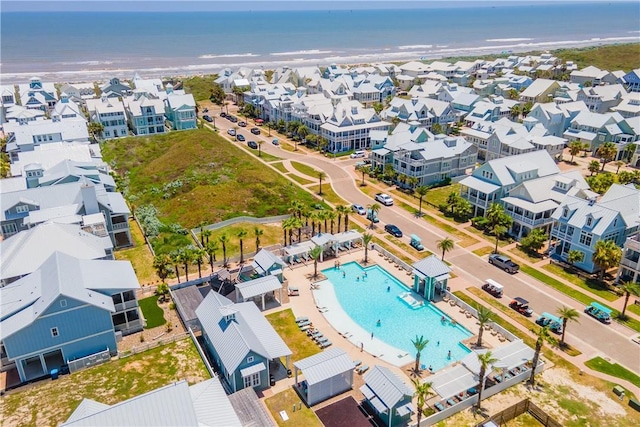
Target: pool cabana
[346, 240]
[257, 289]
[326, 374]
[298, 252]
[454, 381]
[430, 277]
[388, 395]
[325, 241]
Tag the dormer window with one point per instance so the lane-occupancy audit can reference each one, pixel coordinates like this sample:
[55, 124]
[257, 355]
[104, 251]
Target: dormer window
[565, 212]
[22, 208]
[589, 221]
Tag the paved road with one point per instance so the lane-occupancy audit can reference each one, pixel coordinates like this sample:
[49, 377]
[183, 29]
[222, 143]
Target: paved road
[611, 340]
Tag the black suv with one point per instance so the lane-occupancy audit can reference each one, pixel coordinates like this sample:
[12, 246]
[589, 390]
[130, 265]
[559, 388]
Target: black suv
[253, 144]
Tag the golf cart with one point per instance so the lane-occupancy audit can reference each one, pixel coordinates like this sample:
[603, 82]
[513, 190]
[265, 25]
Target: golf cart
[416, 242]
[521, 305]
[493, 287]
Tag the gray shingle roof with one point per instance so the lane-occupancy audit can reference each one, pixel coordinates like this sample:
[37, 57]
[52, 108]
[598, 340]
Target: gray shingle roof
[325, 365]
[387, 386]
[247, 331]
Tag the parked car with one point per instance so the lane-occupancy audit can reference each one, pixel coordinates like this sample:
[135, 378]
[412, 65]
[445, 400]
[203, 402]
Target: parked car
[392, 229]
[275, 141]
[385, 199]
[493, 287]
[253, 144]
[231, 132]
[359, 209]
[255, 131]
[223, 114]
[232, 119]
[521, 305]
[240, 138]
[358, 154]
[242, 124]
[504, 263]
[207, 118]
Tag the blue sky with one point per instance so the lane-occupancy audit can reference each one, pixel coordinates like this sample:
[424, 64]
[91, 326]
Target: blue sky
[217, 5]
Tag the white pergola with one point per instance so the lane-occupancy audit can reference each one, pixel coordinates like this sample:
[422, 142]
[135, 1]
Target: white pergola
[259, 287]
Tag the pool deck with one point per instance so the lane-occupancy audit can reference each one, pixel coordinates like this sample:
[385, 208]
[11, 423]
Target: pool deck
[334, 322]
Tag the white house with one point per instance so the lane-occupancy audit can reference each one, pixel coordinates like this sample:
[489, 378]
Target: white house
[110, 112]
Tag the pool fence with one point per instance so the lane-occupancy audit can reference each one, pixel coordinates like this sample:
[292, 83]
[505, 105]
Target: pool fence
[508, 335]
[394, 259]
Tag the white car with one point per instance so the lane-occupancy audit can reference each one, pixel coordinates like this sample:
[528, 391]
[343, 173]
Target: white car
[358, 154]
[385, 199]
[359, 209]
[231, 132]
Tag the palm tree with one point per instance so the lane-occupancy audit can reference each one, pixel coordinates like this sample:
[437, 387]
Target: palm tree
[162, 265]
[346, 218]
[485, 315]
[498, 230]
[486, 360]
[205, 233]
[607, 152]
[341, 210]
[366, 239]
[211, 248]
[515, 110]
[332, 215]
[421, 191]
[423, 391]
[420, 342]
[413, 181]
[242, 233]
[321, 175]
[185, 257]
[629, 288]
[315, 254]
[445, 245]
[574, 148]
[95, 129]
[364, 169]
[197, 255]
[175, 259]
[302, 131]
[259, 142]
[374, 208]
[619, 164]
[224, 239]
[593, 167]
[606, 255]
[543, 334]
[567, 314]
[257, 232]
[574, 256]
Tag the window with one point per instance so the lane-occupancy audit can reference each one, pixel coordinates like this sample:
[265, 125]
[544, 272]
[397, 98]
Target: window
[55, 332]
[585, 238]
[22, 208]
[252, 380]
[565, 212]
[249, 359]
[589, 221]
[63, 303]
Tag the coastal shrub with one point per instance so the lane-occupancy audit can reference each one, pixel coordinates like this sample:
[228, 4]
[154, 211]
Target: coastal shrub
[147, 215]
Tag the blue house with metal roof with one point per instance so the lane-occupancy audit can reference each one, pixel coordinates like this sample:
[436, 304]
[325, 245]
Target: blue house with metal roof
[430, 276]
[388, 395]
[66, 310]
[241, 341]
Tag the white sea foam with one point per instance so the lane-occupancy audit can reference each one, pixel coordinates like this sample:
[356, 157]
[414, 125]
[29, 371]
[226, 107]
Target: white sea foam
[302, 52]
[230, 55]
[87, 63]
[416, 46]
[515, 39]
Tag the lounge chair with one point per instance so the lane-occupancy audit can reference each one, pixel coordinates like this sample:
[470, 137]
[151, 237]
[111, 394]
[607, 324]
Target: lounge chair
[306, 327]
[321, 339]
[451, 402]
[357, 363]
[497, 378]
[302, 319]
[323, 309]
[304, 323]
[439, 406]
[325, 344]
[362, 369]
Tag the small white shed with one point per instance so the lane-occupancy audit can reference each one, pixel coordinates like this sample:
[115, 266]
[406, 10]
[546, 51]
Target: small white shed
[326, 374]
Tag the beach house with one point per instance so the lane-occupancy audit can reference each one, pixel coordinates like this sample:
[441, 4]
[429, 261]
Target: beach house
[540, 90]
[67, 309]
[242, 343]
[632, 80]
[595, 129]
[67, 109]
[556, 118]
[592, 76]
[115, 88]
[38, 95]
[180, 110]
[629, 106]
[110, 113]
[579, 224]
[145, 114]
[425, 111]
[493, 180]
[601, 99]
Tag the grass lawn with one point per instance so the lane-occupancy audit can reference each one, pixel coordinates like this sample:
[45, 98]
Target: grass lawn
[139, 256]
[485, 250]
[199, 86]
[590, 285]
[617, 57]
[284, 401]
[438, 196]
[284, 322]
[601, 365]
[488, 237]
[265, 156]
[532, 258]
[280, 166]
[391, 249]
[327, 194]
[577, 295]
[197, 176]
[305, 169]
[51, 402]
[272, 234]
[152, 312]
[300, 180]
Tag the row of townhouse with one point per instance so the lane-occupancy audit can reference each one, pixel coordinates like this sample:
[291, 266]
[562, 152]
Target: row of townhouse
[415, 152]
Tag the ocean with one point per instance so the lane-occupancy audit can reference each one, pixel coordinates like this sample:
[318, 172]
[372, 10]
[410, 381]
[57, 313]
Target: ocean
[77, 46]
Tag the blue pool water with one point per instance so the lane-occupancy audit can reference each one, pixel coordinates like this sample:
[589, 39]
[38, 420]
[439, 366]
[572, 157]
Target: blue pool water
[366, 301]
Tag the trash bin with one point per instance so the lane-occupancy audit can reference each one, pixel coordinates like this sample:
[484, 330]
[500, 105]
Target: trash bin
[54, 374]
[618, 390]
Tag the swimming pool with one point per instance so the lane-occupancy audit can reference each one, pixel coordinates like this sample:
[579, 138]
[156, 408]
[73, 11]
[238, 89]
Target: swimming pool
[367, 300]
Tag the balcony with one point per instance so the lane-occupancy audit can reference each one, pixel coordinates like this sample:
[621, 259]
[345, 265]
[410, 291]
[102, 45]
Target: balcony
[632, 243]
[120, 225]
[126, 305]
[630, 263]
[523, 219]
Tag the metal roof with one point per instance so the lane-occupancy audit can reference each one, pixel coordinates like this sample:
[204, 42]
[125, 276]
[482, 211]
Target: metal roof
[386, 385]
[258, 286]
[264, 260]
[24, 252]
[480, 185]
[325, 365]
[431, 266]
[246, 331]
[177, 404]
[253, 369]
